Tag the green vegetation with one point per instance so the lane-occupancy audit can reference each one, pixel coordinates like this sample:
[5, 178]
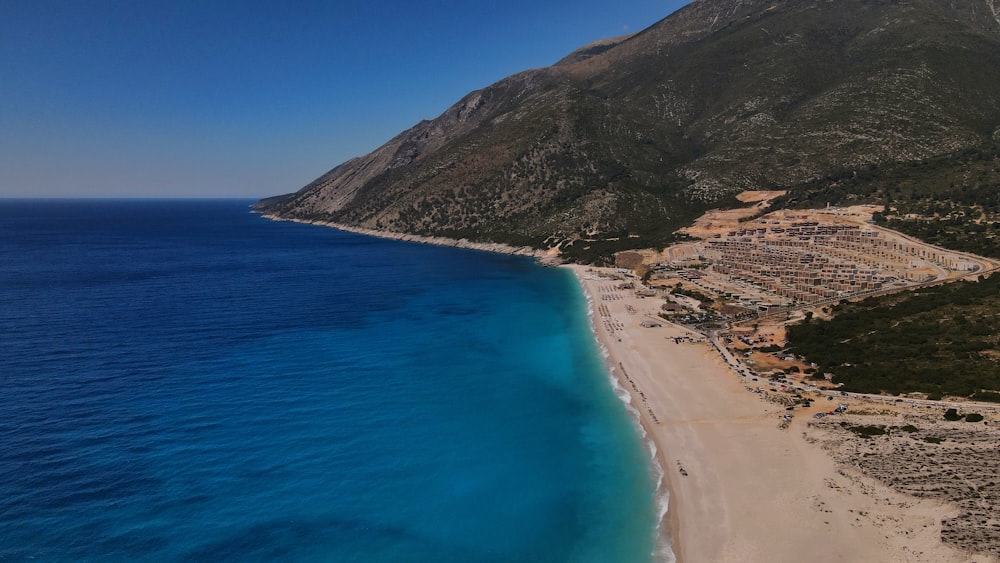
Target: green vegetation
[989, 396]
[958, 176]
[951, 200]
[691, 318]
[952, 415]
[960, 231]
[941, 340]
[601, 251]
[702, 297]
[867, 431]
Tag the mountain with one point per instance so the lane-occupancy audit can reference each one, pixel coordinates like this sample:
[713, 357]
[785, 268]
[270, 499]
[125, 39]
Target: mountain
[638, 134]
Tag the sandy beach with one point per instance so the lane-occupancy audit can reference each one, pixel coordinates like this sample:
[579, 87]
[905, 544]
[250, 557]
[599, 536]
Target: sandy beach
[741, 487]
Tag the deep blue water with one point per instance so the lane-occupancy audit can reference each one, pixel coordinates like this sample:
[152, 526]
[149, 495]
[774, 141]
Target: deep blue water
[183, 380]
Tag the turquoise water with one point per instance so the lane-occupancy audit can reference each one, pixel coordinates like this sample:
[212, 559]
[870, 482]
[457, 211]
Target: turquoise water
[185, 380]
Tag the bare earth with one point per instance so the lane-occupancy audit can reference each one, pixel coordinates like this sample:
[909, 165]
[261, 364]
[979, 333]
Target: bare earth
[741, 488]
[925, 456]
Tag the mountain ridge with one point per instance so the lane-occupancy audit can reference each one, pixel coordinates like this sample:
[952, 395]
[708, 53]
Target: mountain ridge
[636, 135]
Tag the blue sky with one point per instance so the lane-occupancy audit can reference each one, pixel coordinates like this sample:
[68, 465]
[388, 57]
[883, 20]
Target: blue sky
[146, 98]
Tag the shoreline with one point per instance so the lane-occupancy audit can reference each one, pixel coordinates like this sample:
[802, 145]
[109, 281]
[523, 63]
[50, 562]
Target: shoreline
[741, 488]
[665, 529]
[666, 542]
[545, 258]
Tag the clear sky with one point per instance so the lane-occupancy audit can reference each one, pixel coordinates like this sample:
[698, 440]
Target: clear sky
[218, 98]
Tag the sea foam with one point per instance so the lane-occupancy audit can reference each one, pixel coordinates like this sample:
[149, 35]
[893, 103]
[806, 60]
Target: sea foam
[663, 550]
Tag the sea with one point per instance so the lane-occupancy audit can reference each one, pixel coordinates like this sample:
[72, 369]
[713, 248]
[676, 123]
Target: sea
[186, 380]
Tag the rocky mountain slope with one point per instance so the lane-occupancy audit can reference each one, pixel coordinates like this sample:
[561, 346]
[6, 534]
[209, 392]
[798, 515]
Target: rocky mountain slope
[627, 139]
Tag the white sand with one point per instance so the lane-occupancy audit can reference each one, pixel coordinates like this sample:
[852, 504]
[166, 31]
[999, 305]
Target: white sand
[742, 489]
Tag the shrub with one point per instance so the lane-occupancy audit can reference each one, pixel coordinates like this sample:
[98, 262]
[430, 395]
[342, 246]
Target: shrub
[973, 417]
[987, 396]
[952, 415]
[868, 431]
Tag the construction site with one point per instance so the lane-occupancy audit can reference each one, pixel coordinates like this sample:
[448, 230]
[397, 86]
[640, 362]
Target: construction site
[798, 258]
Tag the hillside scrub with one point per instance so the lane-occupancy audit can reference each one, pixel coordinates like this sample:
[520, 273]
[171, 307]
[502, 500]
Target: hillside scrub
[941, 340]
